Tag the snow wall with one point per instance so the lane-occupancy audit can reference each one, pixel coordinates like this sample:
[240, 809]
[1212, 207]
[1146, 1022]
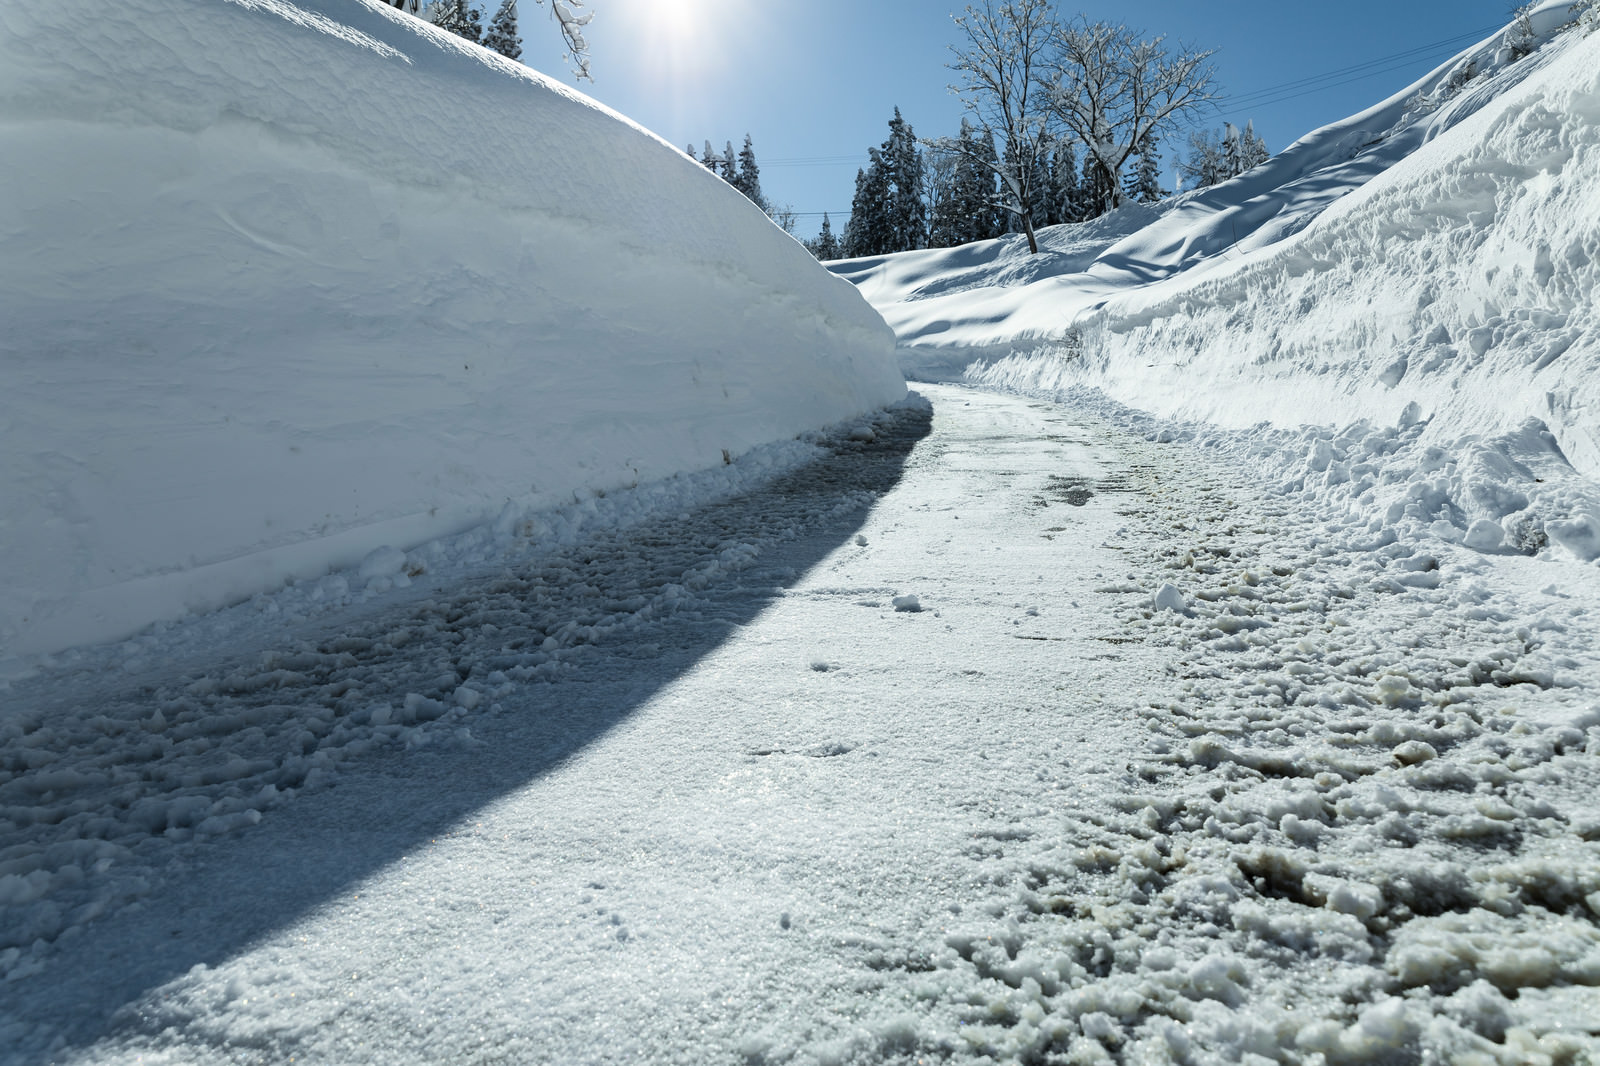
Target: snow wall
[283, 282]
[1459, 286]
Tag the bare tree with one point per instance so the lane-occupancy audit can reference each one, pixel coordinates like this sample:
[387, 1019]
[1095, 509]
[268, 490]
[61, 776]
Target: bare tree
[1000, 71]
[1111, 90]
[939, 166]
[572, 22]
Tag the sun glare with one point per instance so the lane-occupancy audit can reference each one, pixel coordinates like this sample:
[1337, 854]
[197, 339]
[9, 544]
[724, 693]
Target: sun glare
[686, 40]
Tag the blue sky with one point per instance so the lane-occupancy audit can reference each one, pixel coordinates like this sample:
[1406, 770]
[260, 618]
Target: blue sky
[815, 83]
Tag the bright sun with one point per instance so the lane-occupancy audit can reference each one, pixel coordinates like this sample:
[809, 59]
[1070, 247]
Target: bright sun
[677, 39]
[675, 22]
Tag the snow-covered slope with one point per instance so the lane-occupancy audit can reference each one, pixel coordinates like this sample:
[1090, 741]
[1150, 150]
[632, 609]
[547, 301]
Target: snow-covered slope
[1429, 266]
[284, 282]
[995, 295]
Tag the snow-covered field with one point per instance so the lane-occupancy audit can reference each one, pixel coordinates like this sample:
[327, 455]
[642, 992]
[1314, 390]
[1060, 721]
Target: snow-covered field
[1208, 677]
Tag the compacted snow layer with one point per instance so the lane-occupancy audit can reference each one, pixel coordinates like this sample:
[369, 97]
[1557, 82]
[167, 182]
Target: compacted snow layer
[286, 282]
[1012, 736]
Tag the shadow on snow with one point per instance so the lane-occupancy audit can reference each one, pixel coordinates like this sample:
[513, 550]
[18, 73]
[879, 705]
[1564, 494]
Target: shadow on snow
[213, 900]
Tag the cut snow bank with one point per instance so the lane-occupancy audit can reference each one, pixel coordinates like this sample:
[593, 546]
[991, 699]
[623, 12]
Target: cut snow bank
[1458, 288]
[284, 283]
[1417, 285]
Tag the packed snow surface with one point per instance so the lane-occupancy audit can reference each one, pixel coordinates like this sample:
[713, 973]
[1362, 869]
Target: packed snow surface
[284, 283]
[1162, 770]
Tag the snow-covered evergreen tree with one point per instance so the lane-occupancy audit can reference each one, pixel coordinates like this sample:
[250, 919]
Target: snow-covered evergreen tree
[502, 36]
[908, 214]
[1520, 38]
[970, 209]
[870, 231]
[1214, 159]
[460, 18]
[1065, 205]
[1252, 149]
[1094, 194]
[709, 159]
[1143, 183]
[747, 178]
[728, 167]
[826, 246]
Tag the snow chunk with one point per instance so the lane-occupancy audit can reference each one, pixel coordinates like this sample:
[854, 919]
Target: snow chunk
[1169, 598]
[908, 603]
[1484, 535]
[382, 562]
[1579, 535]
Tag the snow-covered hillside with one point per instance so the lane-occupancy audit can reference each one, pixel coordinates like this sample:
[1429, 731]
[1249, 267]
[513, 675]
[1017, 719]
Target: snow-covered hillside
[1408, 297]
[283, 283]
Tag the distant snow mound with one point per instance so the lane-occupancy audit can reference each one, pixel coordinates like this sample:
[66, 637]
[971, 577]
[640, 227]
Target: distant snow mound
[284, 282]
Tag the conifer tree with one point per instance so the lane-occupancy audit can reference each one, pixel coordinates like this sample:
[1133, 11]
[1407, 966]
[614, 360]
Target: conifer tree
[748, 177]
[729, 166]
[826, 246]
[908, 215]
[709, 159]
[1253, 150]
[956, 211]
[460, 18]
[1093, 194]
[502, 36]
[869, 231]
[1143, 184]
[1064, 184]
[1232, 150]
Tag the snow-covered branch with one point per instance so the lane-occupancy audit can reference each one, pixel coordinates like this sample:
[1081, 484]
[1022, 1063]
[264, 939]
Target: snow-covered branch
[1112, 91]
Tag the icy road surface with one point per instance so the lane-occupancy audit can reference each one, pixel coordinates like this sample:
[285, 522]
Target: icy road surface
[998, 733]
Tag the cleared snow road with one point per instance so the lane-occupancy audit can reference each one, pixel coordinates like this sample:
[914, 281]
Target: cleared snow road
[718, 790]
[709, 834]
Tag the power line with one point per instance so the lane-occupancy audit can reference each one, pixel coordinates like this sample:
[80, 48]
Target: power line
[815, 161]
[1388, 64]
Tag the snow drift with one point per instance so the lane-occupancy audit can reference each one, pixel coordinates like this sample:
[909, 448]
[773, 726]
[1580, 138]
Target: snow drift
[284, 282]
[1428, 266]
